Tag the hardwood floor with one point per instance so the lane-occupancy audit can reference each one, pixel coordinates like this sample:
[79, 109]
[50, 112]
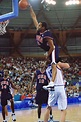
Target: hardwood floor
[73, 114]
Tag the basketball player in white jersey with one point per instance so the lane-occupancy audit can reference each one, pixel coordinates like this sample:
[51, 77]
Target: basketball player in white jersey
[57, 94]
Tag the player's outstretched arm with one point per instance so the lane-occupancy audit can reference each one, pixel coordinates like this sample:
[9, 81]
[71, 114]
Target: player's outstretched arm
[64, 65]
[33, 15]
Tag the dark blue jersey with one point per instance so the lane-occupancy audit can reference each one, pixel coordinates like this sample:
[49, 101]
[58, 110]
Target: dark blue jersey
[41, 79]
[41, 39]
[5, 85]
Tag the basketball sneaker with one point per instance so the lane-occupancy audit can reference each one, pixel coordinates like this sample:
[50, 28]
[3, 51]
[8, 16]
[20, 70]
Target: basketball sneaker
[7, 118]
[50, 85]
[13, 117]
[5, 121]
[51, 119]
[39, 120]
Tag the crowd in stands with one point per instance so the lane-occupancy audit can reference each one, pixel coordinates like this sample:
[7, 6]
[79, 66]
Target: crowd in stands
[21, 71]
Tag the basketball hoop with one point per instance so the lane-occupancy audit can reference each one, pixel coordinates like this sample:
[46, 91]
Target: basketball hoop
[3, 27]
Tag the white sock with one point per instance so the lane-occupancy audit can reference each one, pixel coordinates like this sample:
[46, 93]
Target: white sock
[51, 116]
[51, 82]
[39, 119]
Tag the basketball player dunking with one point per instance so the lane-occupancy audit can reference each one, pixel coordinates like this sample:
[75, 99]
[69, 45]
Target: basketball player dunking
[45, 41]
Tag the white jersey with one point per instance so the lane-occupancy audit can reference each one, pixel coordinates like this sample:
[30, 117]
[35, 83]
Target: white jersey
[58, 95]
[49, 72]
[59, 78]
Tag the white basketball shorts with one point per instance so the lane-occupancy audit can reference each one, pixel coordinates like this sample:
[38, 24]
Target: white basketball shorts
[58, 96]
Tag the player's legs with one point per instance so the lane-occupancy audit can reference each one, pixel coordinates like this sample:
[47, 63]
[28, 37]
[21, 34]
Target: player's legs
[3, 113]
[39, 112]
[41, 98]
[52, 59]
[62, 103]
[10, 98]
[13, 112]
[6, 111]
[62, 98]
[46, 116]
[53, 71]
[63, 116]
[51, 101]
[3, 103]
[38, 101]
[53, 66]
[12, 105]
[51, 116]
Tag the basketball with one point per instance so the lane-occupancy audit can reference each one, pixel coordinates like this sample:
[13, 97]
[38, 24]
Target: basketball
[23, 4]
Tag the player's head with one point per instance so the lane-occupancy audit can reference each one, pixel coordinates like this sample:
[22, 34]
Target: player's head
[42, 26]
[42, 64]
[6, 72]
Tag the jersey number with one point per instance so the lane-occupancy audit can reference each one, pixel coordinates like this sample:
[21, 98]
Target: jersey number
[41, 80]
[4, 87]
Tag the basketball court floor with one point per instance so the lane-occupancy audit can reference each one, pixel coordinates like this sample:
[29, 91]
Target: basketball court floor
[30, 115]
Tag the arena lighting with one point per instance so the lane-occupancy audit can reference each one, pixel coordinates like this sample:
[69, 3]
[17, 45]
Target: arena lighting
[72, 2]
[52, 2]
[47, 4]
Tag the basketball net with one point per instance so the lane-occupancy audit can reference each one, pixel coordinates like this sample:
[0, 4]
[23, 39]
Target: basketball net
[3, 27]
